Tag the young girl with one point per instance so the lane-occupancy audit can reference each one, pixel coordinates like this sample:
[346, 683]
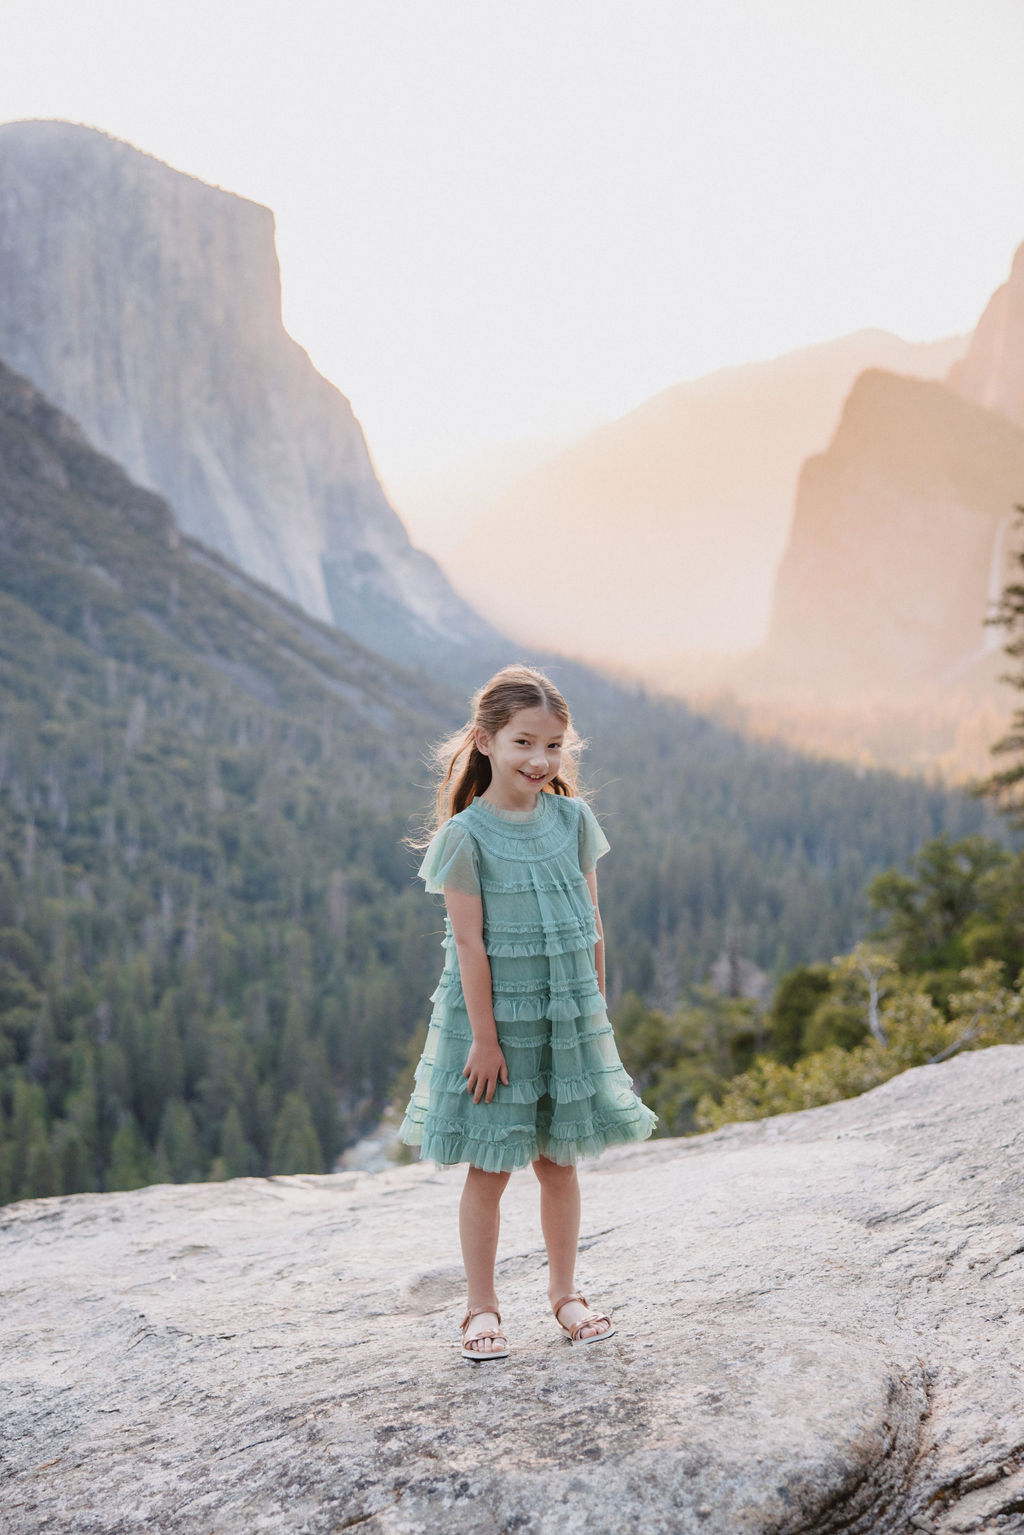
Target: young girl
[519, 1064]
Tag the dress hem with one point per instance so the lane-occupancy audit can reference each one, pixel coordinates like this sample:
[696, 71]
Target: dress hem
[452, 1149]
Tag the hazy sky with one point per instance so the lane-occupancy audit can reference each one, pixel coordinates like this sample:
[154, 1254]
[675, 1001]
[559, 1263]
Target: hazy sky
[506, 221]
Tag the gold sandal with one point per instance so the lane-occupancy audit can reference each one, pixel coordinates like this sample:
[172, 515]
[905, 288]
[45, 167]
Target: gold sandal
[479, 1353]
[573, 1332]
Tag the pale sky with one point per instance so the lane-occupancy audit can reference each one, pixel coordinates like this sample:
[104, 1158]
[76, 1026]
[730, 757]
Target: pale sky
[503, 221]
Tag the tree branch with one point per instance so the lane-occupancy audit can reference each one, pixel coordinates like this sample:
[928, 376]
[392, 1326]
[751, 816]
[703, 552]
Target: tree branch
[968, 1037]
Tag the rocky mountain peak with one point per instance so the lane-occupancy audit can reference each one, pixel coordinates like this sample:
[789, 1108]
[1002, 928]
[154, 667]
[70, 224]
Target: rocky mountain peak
[916, 483]
[147, 305]
[992, 372]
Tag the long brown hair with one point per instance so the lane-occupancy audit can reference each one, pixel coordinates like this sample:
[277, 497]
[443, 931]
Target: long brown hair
[466, 772]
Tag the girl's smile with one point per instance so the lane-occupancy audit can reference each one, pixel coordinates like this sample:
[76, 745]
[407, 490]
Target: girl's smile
[525, 755]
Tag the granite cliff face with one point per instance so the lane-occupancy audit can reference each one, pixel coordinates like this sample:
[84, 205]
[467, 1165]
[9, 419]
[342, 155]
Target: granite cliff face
[900, 540]
[147, 305]
[819, 1333]
[992, 372]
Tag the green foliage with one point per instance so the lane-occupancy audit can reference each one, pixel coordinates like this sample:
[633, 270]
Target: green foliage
[771, 1088]
[950, 926]
[982, 1012]
[676, 1060]
[944, 973]
[797, 1001]
[131, 1166]
[295, 1146]
[931, 914]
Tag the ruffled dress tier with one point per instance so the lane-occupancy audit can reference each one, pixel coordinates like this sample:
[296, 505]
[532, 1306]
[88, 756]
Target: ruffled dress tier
[568, 1094]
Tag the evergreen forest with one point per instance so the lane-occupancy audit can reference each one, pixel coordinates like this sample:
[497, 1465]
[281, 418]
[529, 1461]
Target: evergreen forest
[213, 950]
[941, 971]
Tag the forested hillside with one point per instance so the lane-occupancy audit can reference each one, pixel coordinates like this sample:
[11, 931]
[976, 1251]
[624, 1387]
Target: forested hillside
[212, 946]
[721, 841]
[209, 935]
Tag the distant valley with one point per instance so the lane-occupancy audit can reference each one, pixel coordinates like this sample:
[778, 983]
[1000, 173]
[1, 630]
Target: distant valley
[213, 952]
[212, 949]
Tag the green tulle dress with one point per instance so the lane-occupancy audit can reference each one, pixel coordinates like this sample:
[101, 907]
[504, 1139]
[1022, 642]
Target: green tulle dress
[568, 1094]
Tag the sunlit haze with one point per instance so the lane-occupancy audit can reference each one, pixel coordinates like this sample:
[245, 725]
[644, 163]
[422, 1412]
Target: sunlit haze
[502, 224]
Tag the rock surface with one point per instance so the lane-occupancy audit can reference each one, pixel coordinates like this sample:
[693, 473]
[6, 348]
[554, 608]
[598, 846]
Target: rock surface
[147, 305]
[992, 372]
[820, 1330]
[903, 535]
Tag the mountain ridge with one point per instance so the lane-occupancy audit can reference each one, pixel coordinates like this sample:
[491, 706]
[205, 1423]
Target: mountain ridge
[674, 516]
[916, 481]
[147, 304]
[992, 372]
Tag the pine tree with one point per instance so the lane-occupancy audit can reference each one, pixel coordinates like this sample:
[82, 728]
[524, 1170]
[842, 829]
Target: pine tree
[130, 1165]
[76, 1169]
[42, 1173]
[1006, 787]
[28, 1136]
[295, 1146]
[177, 1148]
[237, 1158]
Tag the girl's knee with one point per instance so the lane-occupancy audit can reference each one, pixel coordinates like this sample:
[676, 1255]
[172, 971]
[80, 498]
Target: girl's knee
[554, 1172]
[486, 1183]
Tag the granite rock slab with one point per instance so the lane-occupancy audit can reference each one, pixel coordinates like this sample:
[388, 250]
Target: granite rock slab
[820, 1329]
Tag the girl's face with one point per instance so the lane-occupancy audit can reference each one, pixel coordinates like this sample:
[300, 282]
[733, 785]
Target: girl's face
[525, 755]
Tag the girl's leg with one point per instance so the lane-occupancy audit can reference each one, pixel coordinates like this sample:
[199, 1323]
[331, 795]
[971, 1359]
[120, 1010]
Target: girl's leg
[479, 1220]
[560, 1223]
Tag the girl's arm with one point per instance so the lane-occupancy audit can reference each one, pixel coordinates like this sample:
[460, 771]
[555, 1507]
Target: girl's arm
[591, 880]
[485, 1065]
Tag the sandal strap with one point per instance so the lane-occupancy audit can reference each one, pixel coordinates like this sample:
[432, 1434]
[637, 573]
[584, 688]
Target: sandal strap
[494, 1333]
[558, 1304]
[576, 1328]
[479, 1311]
[588, 1321]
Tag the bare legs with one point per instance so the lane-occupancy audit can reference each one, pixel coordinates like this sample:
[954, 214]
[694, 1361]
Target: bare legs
[479, 1222]
[560, 1223]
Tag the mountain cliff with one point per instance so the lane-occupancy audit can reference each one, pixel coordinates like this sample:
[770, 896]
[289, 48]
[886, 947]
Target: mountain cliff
[148, 305]
[899, 543]
[992, 372]
[673, 518]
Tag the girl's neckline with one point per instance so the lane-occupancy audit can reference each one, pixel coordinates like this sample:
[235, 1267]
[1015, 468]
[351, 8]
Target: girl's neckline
[519, 816]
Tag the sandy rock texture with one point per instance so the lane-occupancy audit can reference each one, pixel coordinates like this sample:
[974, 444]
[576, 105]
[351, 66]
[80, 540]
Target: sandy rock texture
[820, 1330]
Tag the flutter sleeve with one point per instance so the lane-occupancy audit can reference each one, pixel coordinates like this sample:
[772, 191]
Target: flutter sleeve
[593, 842]
[451, 861]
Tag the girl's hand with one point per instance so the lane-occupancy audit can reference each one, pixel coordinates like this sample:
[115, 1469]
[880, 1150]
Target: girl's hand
[484, 1069]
